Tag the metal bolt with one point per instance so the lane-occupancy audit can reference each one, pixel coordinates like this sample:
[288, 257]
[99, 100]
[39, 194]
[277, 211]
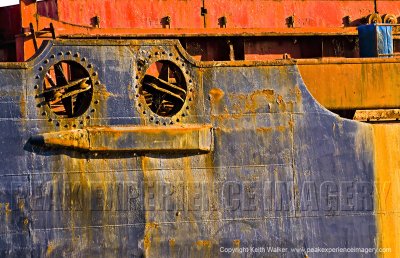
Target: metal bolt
[222, 22]
[290, 21]
[166, 22]
[96, 21]
[346, 20]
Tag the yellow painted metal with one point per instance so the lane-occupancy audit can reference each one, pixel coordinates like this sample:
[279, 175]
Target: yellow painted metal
[367, 83]
[387, 180]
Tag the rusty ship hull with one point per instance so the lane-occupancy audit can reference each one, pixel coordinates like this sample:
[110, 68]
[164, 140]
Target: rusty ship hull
[196, 141]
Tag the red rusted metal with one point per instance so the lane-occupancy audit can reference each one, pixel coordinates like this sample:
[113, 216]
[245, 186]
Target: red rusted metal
[293, 20]
[239, 13]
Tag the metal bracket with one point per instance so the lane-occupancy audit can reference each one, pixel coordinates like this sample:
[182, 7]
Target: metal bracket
[35, 45]
[222, 22]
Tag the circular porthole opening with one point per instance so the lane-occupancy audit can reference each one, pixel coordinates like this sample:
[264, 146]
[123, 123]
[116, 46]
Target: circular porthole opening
[68, 89]
[164, 88]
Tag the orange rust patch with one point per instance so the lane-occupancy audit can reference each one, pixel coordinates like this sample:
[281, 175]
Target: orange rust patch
[149, 229]
[264, 129]
[248, 103]
[21, 205]
[281, 128]
[146, 242]
[279, 100]
[281, 103]
[152, 225]
[203, 243]
[259, 99]
[8, 209]
[50, 249]
[298, 93]
[216, 94]
[291, 123]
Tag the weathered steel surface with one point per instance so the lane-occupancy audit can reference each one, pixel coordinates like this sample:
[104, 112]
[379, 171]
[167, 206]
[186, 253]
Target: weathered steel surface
[274, 178]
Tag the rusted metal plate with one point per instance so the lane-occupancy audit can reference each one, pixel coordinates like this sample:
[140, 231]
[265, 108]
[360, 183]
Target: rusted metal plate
[274, 147]
[207, 19]
[377, 115]
[241, 14]
[143, 139]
